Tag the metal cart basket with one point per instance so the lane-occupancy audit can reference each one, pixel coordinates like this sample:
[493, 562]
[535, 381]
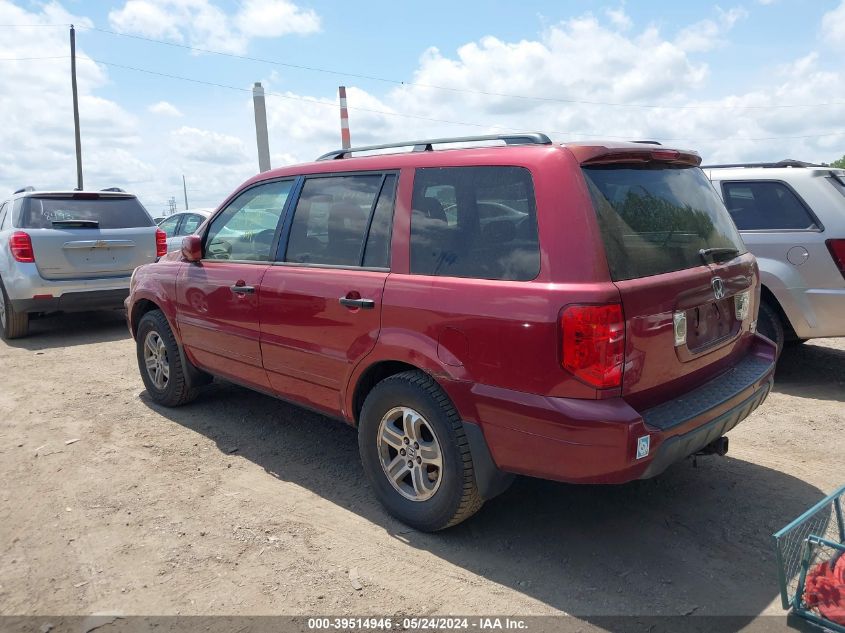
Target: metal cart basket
[817, 536]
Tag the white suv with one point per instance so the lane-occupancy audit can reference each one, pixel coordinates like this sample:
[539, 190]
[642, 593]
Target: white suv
[792, 217]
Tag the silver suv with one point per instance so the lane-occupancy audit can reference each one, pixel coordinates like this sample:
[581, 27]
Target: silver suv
[792, 217]
[70, 251]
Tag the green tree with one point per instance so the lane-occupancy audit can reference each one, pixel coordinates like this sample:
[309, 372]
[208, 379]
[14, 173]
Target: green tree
[839, 163]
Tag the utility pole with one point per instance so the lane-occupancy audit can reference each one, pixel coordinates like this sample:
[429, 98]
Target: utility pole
[185, 189]
[75, 107]
[345, 140]
[261, 127]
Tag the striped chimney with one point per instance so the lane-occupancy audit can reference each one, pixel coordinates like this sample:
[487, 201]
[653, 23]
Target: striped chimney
[345, 140]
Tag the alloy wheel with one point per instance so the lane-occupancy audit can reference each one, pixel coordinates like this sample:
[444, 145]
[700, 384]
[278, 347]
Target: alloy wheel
[155, 360]
[410, 454]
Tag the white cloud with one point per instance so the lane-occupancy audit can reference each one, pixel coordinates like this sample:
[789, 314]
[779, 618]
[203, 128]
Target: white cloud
[708, 34]
[37, 117]
[619, 18]
[833, 27]
[203, 24]
[164, 108]
[274, 18]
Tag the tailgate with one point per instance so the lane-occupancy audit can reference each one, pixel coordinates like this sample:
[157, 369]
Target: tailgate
[710, 338]
[91, 253]
[88, 235]
[687, 284]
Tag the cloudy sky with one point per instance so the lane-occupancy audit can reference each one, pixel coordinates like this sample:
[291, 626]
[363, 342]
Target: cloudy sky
[165, 85]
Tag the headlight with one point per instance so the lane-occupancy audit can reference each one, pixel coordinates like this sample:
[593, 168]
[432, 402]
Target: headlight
[742, 305]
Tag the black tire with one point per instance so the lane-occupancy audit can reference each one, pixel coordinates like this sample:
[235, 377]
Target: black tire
[12, 324]
[176, 390]
[769, 324]
[456, 498]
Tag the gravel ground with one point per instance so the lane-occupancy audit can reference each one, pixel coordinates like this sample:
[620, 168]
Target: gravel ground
[241, 504]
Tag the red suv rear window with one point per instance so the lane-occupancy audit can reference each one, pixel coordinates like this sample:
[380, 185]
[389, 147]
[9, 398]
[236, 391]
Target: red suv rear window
[656, 218]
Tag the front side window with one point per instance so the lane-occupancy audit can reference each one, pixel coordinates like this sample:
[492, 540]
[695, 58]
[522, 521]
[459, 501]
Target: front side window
[766, 205]
[478, 222]
[169, 225]
[331, 218]
[246, 229]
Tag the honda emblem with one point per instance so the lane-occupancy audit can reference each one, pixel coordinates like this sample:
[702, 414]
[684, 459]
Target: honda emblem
[718, 287]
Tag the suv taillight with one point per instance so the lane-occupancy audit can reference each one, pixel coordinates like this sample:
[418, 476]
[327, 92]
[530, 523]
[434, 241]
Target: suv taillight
[837, 251]
[161, 243]
[594, 343]
[21, 246]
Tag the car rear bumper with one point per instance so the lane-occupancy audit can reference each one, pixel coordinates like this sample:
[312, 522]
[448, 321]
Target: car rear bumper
[29, 292]
[596, 441]
[74, 301]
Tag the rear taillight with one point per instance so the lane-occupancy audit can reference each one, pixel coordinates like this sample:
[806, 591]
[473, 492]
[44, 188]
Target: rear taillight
[161, 243]
[594, 343]
[837, 251]
[21, 246]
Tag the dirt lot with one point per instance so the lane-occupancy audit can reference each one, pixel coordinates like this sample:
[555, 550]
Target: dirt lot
[240, 504]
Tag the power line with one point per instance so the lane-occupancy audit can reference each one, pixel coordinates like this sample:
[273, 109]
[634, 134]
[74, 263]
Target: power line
[461, 90]
[447, 121]
[29, 59]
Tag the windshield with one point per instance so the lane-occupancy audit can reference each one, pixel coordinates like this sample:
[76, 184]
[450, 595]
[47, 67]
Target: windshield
[102, 212]
[659, 218]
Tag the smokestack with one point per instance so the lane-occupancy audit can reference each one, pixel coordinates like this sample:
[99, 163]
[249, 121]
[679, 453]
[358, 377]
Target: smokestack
[261, 127]
[345, 140]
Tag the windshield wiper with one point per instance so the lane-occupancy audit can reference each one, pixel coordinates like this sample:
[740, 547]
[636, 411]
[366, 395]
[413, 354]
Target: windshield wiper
[704, 253]
[81, 224]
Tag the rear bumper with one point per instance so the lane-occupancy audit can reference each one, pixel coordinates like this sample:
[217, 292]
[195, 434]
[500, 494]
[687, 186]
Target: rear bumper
[74, 301]
[29, 292]
[595, 441]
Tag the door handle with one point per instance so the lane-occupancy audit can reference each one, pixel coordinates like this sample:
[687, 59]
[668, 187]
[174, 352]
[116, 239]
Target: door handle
[241, 289]
[367, 304]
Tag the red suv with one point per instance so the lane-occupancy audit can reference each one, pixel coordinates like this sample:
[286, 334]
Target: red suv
[581, 312]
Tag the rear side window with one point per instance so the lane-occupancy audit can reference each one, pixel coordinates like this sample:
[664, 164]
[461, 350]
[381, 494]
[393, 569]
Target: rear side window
[766, 205]
[657, 218]
[3, 214]
[108, 212]
[478, 222]
[332, 218]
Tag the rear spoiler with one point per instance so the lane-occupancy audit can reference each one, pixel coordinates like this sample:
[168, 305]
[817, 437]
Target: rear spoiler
[600, 155]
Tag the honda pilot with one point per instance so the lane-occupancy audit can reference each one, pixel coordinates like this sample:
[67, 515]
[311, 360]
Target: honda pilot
[581, 312]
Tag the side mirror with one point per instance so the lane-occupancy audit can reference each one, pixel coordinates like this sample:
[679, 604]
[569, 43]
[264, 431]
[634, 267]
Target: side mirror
[192, 248]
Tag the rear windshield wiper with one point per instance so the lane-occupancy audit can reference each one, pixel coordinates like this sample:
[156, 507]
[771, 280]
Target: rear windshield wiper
[712, 253]
[80, 224]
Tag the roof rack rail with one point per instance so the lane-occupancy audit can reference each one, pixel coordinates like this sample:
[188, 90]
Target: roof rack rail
[786, 162]
[114, 189]
[648, 142]
[529, 138]
[23, 189]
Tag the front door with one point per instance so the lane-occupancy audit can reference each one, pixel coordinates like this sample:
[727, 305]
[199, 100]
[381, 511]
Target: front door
[218, 298]
[321, 305]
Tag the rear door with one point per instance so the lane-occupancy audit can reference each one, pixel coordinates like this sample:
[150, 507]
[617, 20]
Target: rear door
[321, 303]
[88, 235]
[682, 271]
[217, 299]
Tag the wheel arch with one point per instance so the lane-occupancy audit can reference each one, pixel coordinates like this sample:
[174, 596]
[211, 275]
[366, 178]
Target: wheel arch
[771, 299]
